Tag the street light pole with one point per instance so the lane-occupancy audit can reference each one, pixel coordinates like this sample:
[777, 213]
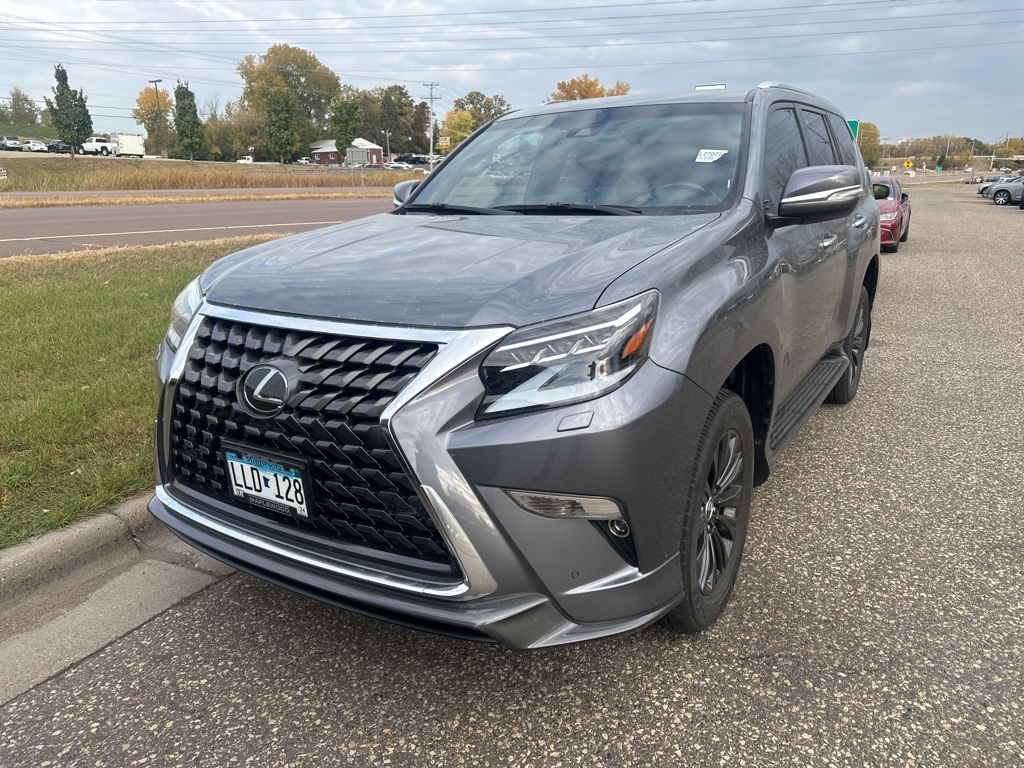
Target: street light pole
[156, 92]
[387, 137]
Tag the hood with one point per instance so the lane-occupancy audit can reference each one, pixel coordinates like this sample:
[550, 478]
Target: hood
[444, 271]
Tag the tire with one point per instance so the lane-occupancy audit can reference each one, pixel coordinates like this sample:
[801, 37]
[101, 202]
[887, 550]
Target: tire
[715, 515]
[103, 151]
[855, 346]
[1002, 197]
[906, 233]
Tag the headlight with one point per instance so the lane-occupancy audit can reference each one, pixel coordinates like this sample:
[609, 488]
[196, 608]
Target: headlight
[182, 310]
[888, 216]
[568, 360]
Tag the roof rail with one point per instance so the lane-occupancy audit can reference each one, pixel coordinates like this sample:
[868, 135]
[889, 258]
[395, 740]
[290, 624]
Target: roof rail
[787, 86]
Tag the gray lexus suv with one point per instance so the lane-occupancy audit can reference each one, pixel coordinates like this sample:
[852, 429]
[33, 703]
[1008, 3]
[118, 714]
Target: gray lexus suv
[531, 403]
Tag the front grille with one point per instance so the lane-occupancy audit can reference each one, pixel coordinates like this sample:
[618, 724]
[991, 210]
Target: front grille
[364, 504]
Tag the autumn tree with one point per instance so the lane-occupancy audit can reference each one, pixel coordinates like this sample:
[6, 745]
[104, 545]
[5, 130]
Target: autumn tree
[68, 111]
[482, 108]
[587, 87]
[186, 121]
[281, 125]
[21, 109]
[457, 125]
[344, 124]
[154, 109]
[869, 141]
[312, 85]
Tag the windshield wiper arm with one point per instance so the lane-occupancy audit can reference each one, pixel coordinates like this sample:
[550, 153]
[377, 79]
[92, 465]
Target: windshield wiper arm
[608, 210]
[449, 208]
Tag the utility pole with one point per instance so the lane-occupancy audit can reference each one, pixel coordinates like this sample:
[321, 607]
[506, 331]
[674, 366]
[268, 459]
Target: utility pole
[431, 98]
[159, 128]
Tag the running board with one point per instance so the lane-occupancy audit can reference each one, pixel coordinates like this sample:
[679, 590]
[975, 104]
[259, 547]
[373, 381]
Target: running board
[805, 399]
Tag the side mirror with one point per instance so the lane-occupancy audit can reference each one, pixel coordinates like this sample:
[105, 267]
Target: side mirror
[820, 193]
[904, 197]
[404, 190]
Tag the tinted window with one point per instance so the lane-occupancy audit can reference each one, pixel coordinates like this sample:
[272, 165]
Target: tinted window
[844, 140]
[819, 147]
[783, 153]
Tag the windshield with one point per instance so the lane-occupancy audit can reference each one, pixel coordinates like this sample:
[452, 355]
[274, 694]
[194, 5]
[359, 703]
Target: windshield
[663, 158]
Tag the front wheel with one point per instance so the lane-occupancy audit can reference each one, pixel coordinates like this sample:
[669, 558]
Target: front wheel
[1002, 197]
[715, 515]
[906, 233]
[855, 346]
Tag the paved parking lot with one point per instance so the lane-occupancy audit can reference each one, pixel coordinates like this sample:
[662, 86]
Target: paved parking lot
[879, 617]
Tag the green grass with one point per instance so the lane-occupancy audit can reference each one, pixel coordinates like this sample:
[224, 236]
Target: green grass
[41, 132]
[62, 173]
[77, 380]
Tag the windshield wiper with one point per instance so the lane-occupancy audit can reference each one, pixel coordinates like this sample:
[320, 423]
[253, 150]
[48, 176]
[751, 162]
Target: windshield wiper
[608, 210]
[448, 208]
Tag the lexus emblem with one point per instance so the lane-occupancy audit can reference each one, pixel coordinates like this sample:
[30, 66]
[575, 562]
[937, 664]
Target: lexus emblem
[263, 390]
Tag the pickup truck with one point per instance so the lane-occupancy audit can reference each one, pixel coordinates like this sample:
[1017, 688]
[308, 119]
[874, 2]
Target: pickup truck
[98, 145]
[531, 403]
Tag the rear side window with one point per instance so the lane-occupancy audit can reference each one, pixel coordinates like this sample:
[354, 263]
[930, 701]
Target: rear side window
[844, 140]
[819, 146]
[783, 153]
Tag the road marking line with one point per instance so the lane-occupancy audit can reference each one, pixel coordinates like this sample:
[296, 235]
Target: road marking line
[169, 231]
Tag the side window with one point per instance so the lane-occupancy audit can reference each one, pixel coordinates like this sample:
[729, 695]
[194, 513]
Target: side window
[819, 146]
[844, 140]
[783, 153]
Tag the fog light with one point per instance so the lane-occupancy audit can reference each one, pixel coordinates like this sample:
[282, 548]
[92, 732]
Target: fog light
[557, 506]
[618, 528]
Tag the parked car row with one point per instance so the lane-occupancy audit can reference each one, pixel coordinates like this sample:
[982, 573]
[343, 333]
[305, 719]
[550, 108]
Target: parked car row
[1007, 192]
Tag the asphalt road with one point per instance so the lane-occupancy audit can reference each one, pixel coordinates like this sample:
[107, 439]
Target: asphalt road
[878, 620]
[55, 230]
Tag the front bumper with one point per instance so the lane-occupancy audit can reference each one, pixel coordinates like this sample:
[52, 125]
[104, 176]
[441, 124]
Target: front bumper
[527, 581]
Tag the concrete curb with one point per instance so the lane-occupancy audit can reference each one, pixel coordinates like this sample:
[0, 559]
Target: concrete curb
[55, 555]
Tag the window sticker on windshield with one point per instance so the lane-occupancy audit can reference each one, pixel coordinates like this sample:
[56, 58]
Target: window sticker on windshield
[710, 155]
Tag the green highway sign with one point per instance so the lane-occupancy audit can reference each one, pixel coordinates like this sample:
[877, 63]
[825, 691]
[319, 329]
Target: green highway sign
[854, 126]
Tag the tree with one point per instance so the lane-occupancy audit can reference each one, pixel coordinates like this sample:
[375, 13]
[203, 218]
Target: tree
[457, 125]
[313, 86]
[153, 110]
[870, 144]
[345, 119]
[186, 121]
[586, 87]
[482, 108]
[281, 124]
[22, 110]
[71, 118]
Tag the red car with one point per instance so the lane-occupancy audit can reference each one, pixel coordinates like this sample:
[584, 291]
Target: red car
[893, 212]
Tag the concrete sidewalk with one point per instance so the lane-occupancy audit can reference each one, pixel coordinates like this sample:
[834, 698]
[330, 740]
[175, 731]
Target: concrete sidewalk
[66, 595]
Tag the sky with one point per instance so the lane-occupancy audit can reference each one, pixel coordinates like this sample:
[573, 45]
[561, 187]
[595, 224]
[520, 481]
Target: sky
[915, 68]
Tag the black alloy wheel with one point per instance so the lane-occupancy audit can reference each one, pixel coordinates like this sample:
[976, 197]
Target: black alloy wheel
[716, 514]
[855, 346]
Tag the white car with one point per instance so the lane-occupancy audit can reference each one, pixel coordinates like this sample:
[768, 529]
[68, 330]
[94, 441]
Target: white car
[98, 145]
[10, 142]
[399, 166]
[247, 160]
[33, 145]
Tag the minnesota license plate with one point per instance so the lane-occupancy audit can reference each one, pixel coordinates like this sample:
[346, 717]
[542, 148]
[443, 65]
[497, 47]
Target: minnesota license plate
[267, 481]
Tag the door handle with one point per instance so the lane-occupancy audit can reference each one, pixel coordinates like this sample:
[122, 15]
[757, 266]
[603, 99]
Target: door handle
[859, 221]
[828, 241]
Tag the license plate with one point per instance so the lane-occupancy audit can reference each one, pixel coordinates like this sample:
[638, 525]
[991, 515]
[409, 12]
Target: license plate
[268, 481]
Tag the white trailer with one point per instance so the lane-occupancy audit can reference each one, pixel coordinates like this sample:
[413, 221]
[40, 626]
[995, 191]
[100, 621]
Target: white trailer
[128, 144]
